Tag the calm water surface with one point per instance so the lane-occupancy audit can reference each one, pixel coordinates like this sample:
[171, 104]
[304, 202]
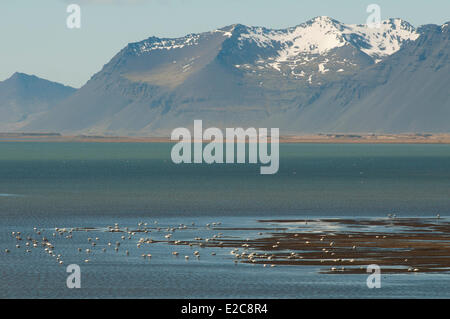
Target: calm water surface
[48, 185]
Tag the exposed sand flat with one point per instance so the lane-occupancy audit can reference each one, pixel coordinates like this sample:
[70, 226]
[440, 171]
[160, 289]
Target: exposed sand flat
[350, 245]
[366, 138]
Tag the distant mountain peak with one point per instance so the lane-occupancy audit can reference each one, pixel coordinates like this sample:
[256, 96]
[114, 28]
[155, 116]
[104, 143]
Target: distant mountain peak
[23, 97]
[31, 78]
[21, 76]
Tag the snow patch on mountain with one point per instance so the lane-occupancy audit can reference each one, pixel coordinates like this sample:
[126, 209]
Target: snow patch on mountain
[383, 41]
[322, 34]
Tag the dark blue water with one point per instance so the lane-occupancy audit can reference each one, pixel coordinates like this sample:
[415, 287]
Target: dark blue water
[48, 185]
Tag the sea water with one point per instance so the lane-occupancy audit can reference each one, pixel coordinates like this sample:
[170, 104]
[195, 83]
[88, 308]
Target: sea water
[48, 185]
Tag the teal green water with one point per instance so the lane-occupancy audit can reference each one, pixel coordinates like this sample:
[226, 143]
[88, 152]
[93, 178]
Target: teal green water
[48, 185]
[140, 179]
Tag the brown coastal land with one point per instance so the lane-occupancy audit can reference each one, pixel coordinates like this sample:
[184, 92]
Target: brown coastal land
[363, 138]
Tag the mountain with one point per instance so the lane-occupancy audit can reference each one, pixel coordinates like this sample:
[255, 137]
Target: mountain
[24, 97]
[319, 76]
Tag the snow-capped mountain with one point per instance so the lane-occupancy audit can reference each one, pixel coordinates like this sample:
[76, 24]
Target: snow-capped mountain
[311, 77]
[305, 43]
[301, 52]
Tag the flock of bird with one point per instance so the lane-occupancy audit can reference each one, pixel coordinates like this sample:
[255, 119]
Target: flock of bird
[38, 239]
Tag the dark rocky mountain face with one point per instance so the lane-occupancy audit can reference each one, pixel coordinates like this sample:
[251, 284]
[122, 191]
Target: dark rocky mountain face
[320, 76]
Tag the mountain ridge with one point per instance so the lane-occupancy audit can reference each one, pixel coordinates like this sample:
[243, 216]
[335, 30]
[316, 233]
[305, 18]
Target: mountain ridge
[317, 76]
[24, 97]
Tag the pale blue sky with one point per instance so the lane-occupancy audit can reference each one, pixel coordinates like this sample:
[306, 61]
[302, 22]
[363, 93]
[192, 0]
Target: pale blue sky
[35, 39]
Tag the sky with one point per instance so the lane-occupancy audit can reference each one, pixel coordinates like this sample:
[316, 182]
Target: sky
[35, 38]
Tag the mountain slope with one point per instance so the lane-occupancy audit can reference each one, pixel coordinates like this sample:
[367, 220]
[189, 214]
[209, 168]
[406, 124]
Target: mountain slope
[321, 75]
[24, 97]
[414, 91]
